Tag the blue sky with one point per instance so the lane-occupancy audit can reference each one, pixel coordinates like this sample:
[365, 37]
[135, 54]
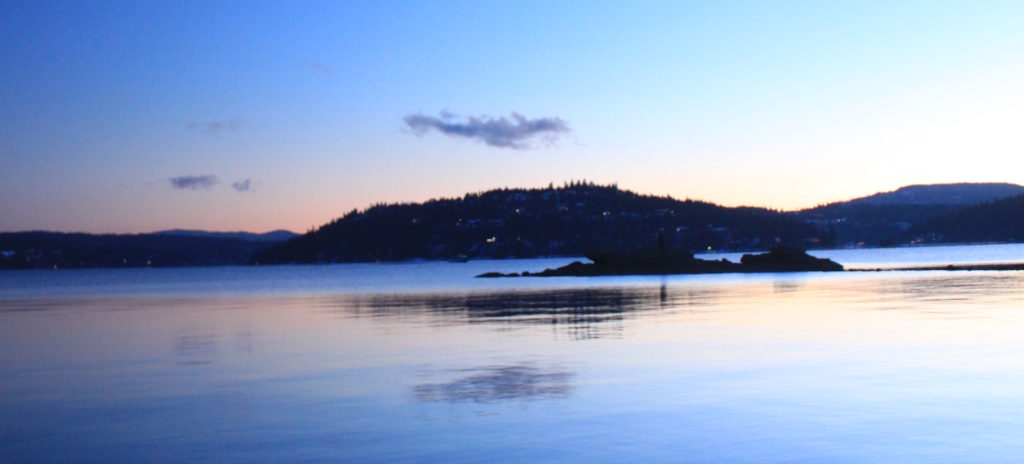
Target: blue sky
[140, 116]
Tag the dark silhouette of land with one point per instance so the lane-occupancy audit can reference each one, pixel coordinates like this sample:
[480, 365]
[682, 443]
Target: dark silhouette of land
[779, 259]
[29, 250]
[997, 221]
[958, 194]
[951, 267]
[523, 223]
[887, 219]
[279, 235]
[574, 219]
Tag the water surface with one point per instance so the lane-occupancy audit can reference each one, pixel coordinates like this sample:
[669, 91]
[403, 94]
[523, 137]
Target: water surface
[420, 362]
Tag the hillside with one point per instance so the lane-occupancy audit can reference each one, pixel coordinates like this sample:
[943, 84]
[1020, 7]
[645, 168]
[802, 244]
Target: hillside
[279, 235]
[27, 250]
[998, 221]
[884, 218]
[571, 220]
[960, 194]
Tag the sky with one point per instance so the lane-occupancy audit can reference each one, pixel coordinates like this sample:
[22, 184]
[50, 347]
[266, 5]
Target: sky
[142, 116]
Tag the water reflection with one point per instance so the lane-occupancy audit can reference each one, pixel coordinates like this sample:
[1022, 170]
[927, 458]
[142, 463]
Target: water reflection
[785, 286]
[758, 368]
[947, 295]
[586, 313]
[498, 383]
[194, 349]
[244, 340]
[958, 287]
[198, 347]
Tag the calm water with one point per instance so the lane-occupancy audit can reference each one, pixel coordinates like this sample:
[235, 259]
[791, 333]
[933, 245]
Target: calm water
[421, 362]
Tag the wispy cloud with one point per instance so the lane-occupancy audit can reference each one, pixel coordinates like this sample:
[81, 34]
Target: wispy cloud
[216, 126]
[515, 131]
[204, 182]
[320, 68]
[242, 185]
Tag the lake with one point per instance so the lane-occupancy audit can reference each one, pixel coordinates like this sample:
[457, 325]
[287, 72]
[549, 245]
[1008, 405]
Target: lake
[420, 362]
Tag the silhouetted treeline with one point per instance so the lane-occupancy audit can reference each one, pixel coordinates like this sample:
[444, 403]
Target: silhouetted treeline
[570, 220]
[885, 218]
[998, 221]
[871, 224]
[960, 194]
[27, 250]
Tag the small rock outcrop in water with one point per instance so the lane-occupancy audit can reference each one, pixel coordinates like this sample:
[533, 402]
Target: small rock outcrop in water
[779, 259]
[787, 259]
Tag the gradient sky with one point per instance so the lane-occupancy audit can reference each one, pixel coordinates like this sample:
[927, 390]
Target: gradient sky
[140, 116]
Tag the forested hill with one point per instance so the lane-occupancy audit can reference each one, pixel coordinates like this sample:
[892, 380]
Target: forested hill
[959, 194]
[570, 220]
[279, 235]
[998, 221]
[884, 218]
[28, 250]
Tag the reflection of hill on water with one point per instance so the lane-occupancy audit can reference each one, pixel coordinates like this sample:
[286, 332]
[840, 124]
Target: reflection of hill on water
[497, 383]
[584, 313]
[944, 296]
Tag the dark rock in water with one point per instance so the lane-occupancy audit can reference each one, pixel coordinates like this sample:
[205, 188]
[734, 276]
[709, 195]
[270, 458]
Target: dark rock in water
[648, 259]
[574, 268]
[779, 259]
[787, 259]
[488, 275]
[670, 262]
[643, 263]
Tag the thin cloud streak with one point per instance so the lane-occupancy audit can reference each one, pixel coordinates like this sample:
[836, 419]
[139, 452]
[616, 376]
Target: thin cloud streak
[516, 131]
[217, 126]
[320, 68]
[204, 182]
[242, 185]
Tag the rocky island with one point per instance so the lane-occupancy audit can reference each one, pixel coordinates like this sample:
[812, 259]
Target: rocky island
[778, 259]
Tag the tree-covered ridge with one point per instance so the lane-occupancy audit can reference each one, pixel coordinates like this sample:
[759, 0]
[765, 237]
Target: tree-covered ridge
[27, 250]
[885, 218]
[570, 220]
[997, 221]
[962, 194]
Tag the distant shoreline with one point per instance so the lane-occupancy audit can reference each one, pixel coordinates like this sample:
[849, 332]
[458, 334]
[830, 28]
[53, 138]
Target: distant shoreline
[948, 267]
[997, 266]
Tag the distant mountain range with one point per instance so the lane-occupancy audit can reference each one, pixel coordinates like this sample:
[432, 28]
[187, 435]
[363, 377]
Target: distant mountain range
[570, 220]
[960, 194]
[159, 249]
[279, 235]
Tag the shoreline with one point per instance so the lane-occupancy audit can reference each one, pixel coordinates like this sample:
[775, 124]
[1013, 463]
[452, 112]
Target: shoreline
[948, 267]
